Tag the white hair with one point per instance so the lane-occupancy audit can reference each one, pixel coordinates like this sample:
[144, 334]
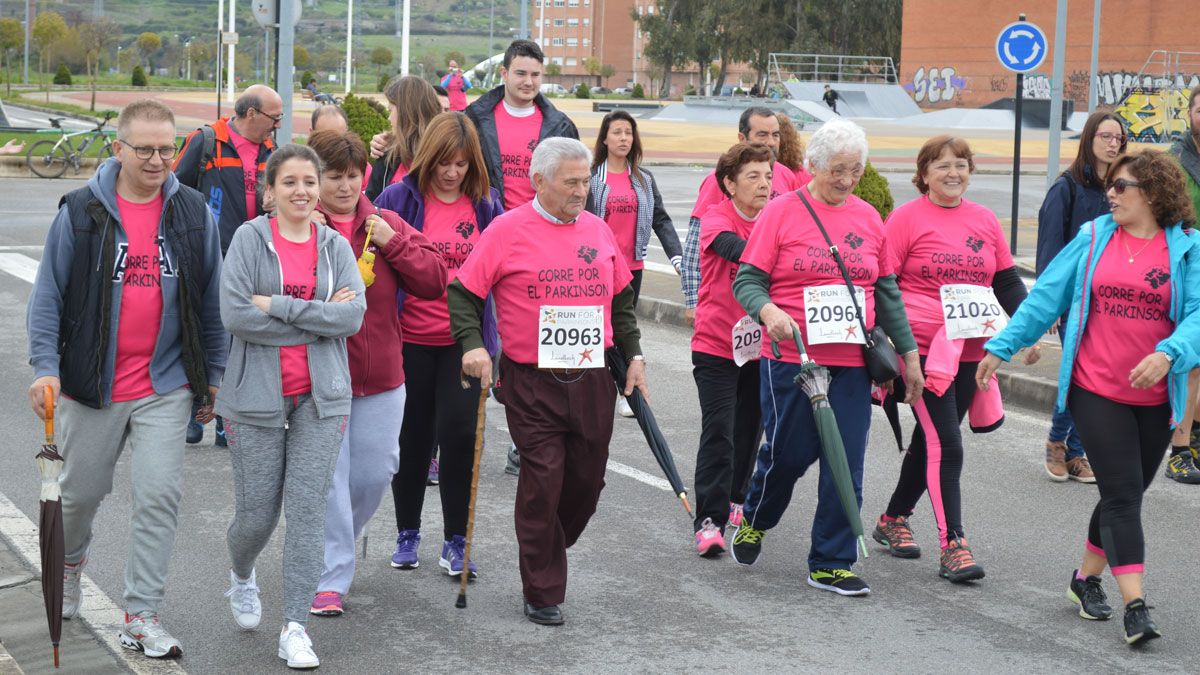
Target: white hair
[552, 152]
[835, 137]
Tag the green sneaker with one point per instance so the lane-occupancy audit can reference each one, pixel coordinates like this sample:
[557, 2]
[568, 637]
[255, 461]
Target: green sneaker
[747, 544]
[842, 582]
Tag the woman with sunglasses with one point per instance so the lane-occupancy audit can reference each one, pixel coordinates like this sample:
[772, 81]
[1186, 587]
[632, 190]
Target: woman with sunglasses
[1131, 283]
[1076, 197]
[392, 257]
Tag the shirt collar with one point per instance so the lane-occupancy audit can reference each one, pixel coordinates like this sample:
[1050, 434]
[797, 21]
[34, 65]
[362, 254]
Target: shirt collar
[537, 206]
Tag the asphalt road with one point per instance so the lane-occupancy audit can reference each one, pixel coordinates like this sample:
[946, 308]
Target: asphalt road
[639, 599]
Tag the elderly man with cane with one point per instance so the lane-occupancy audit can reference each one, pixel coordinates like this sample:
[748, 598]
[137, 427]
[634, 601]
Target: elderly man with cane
[563, 296]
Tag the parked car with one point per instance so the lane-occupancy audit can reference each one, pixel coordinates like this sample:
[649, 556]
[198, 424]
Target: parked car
[623, 90]
[601, 90]
[552, 88]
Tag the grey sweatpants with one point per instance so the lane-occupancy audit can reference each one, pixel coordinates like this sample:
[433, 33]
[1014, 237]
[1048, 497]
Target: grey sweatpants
[91, 441]
[292, 467]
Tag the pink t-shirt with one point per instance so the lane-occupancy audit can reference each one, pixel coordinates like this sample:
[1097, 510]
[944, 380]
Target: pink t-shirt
[527, 261]
[345, 227]
[248, 152]
[930, 246]
[137, 269]
[401, 172]
[298, 261]
[787, 245]
[717, 310]
[518, 137]
[1129, 314]
[621, 215]
[454, 230]
[782, 181]
[456, 91]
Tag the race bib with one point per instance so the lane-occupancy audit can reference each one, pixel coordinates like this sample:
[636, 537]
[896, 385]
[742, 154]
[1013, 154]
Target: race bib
[830, 316]
[571, 337]
[747, 340]
[971, 311]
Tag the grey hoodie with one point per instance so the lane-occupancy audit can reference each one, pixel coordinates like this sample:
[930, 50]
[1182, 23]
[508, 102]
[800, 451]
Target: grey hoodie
[44, 314]
[253, 389]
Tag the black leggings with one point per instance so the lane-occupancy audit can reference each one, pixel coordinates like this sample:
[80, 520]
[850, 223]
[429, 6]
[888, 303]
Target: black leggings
[937, 465]
[636, 282]
[1126, 445]
[438, 412]
[730, 427]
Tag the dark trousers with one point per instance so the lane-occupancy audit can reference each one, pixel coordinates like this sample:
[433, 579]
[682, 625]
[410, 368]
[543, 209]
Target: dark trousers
[1126, 445]
[562, 425]
[636, 282]
[792, 445]
[934, 459]
[730, 427]
[438, 413]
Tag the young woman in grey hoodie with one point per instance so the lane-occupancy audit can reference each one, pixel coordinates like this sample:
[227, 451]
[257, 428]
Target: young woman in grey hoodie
[291, 294]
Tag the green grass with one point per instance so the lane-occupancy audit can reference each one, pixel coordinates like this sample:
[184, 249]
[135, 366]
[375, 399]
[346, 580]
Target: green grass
[38, 99]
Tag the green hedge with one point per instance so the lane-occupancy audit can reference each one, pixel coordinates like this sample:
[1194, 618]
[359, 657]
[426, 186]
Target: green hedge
[366, 117]
[63, 75]
[139, 77]
[873, 188]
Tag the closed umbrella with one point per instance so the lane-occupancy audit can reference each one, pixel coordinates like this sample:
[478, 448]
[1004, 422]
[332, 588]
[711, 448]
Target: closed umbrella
[617, 365]
[50, 528]
[814, 380]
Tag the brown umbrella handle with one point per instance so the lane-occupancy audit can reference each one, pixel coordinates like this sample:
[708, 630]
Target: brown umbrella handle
[461, 603]
[48, 403]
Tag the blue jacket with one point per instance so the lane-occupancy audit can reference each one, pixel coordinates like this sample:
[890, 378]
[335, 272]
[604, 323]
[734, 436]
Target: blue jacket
[1066, 284]
[406, 200]
[1067, 206]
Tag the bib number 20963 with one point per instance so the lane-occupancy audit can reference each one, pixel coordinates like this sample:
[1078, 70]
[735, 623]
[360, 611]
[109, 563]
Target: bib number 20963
[571, 337]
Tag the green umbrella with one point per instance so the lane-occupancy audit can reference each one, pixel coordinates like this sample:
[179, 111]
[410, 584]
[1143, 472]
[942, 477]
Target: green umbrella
[814, 380]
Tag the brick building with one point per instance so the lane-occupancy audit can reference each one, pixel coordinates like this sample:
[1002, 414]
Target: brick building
[948, 59]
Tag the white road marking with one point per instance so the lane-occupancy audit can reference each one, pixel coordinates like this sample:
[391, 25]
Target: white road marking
[99, 612]
[660, 267]
[29, 248]
[626, 470]
[20, 266]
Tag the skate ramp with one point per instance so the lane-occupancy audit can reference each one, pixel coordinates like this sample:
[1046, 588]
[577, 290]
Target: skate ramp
[887, 101]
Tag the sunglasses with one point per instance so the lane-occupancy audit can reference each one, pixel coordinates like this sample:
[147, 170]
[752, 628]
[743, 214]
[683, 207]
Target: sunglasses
[1120, 185]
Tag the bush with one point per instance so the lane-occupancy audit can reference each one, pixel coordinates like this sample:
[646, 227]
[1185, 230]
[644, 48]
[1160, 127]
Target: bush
[365, 117]
[582, 91]
[638, 92]
[383, 80]
[690, 91]
[306, 78]
[873, 189]
[63, 76]
[139, 77]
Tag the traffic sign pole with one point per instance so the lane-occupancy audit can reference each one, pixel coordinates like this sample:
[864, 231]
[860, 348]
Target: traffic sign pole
[1016, 188]
[1021, 48]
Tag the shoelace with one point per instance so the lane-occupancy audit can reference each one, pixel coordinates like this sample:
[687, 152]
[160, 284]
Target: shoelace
[150, 627]
[899, 530]
[297, 635]
[960, 556]
[708, 526]
[1092, 592]
[245, 595]
[748, 535]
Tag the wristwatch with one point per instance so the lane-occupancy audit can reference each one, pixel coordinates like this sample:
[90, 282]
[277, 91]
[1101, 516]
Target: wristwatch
[637, 357]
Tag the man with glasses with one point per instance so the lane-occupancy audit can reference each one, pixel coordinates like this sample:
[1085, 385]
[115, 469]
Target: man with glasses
[129, 341]
[225, 161]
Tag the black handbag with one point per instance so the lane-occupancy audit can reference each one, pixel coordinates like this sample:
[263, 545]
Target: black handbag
[882, 361]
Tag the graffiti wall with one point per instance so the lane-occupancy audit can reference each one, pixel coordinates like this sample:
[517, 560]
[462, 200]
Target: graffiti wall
[935, 84]
[1155, 115]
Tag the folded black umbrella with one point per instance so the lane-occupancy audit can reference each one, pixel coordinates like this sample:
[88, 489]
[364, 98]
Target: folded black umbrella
[618, 366]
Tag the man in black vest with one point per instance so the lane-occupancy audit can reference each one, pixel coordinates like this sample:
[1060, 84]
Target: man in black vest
[124, 319]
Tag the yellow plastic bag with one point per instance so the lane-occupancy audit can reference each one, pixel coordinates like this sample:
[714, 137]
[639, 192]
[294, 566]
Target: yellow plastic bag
[366, 261]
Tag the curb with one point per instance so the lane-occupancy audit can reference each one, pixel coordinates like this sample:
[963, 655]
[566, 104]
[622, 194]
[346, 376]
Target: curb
[1018, 389]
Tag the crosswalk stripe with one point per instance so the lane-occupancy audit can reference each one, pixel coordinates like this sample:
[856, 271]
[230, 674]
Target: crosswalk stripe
[21, 266]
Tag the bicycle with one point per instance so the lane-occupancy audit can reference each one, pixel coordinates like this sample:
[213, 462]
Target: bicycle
[50, 158]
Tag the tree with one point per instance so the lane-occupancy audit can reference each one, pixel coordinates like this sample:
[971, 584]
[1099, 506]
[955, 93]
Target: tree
[12, 38]
[48, 28]
[96, 38]
[670, 36]
[147, 44]
[458, 57]
[606, 71]
[592, 66]
[62, 75]
[138, 79]
[381, 56]
[553, 69]
[300, 57]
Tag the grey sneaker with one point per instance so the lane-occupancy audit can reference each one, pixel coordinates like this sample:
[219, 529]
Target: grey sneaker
[513, 466]
[144, 633]
[243, 601]
[72, 594]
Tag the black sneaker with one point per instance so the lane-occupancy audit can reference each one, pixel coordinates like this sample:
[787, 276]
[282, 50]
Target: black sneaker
[512, 467]
[1089, 595]
[1182, 469]
[842, 582]
[1139, 627]
[747, 544]
[219, 440]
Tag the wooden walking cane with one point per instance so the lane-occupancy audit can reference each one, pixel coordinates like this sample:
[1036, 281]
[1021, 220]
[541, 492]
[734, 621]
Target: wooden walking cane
[461, 603]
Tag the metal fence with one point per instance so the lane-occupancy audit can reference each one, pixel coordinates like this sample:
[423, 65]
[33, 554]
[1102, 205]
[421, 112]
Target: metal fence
[784, 67]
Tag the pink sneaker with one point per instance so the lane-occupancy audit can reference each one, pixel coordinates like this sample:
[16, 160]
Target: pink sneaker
[735, 515]
[327, 603]
[710, 541]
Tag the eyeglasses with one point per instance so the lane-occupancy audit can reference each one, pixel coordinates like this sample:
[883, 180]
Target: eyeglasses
[147, 151]
[274, 118]
[1120, 185]
[1109, 137]
[840, 172]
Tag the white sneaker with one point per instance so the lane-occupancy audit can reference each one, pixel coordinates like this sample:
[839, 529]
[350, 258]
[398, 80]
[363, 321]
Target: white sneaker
[144, 633]
[243, 601]
[72, 594]
[296, 648]
[623, 406]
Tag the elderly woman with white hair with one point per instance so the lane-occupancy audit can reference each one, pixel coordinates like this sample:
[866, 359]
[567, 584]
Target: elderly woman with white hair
[802, 258]
[563, 296]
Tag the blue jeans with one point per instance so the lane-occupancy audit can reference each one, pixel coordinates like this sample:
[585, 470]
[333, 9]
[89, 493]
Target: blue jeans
[1062, 425]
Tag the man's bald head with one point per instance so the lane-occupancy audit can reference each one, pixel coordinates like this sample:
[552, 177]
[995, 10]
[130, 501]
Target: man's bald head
[259, 110]
[257, 96]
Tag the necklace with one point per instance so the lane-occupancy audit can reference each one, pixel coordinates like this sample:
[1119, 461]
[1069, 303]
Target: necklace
[1133, 255]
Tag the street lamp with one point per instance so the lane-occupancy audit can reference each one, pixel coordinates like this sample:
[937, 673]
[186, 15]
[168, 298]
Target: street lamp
[118, 59]
[187, 46]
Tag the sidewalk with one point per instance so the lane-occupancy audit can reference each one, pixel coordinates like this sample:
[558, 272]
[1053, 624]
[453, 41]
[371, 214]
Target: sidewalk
[1034, 387]
[26, 640]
